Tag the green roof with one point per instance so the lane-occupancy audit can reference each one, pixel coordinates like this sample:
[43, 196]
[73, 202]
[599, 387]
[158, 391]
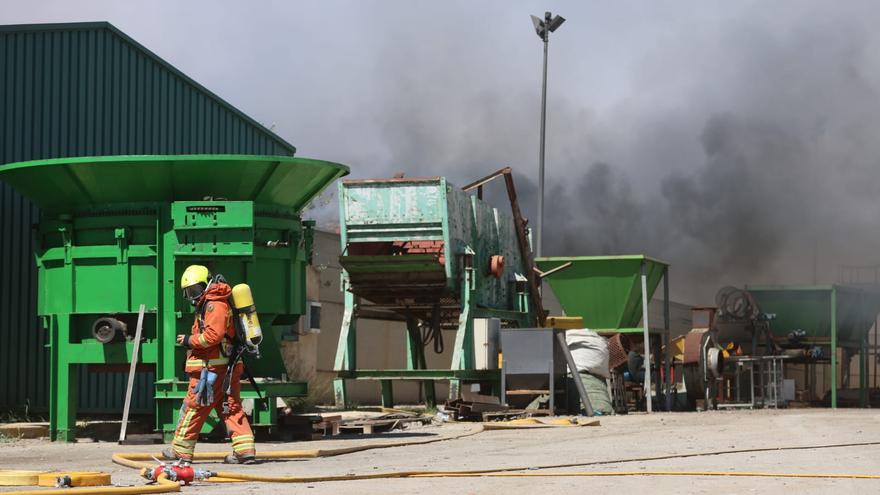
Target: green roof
[64, 184]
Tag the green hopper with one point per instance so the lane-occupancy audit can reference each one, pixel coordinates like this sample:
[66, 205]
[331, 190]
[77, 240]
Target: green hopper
[604, 290]
[610, 293]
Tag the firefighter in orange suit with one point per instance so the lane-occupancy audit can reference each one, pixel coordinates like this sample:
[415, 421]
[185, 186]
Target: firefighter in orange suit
[206, 364]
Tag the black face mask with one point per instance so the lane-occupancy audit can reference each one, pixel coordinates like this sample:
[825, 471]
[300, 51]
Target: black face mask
[194, 292]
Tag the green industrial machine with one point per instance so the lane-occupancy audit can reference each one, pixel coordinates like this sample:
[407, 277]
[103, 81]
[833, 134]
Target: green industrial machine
[427, 253]
[611, 294]
[835, 315]
[117, 232]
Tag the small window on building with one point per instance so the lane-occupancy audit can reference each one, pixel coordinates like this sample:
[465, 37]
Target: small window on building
[312, 323]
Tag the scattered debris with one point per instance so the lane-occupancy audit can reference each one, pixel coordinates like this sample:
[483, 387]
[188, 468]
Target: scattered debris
[529, 423]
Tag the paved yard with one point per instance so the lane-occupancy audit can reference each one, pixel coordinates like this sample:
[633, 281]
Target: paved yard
[618, 438]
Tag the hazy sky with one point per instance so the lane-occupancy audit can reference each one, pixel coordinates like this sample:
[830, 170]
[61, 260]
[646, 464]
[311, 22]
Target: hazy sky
[738, 140]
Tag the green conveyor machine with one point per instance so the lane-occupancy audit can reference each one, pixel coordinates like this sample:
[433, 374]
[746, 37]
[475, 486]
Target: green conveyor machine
[117, 232]
[611, 294]
[421, 251]
[840, 316]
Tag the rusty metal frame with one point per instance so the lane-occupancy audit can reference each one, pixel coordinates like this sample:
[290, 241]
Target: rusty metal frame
[520, 223]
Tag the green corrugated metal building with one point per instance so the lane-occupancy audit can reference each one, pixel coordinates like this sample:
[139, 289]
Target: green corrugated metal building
[87, 89]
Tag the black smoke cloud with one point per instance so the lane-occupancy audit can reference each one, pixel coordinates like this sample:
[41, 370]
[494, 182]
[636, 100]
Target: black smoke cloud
[748, 154]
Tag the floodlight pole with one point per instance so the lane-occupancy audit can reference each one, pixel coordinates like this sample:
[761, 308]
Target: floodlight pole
[540, 236]
[543, 28]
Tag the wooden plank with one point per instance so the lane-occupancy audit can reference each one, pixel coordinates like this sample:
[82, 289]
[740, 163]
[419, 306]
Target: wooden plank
[528, 392]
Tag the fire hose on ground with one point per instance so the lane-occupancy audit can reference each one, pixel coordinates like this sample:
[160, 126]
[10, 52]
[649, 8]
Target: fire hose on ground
[166, 485]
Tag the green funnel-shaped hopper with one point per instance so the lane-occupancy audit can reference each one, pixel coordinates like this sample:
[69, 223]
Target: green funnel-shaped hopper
[76, 183]
[808, 308]
[606, 291]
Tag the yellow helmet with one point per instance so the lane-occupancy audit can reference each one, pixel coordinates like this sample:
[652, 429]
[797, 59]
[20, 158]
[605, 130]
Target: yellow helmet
[194, 282]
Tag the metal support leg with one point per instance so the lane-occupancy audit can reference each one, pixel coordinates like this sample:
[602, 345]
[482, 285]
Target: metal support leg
[572, 368]
[876, 349]
[752, 383]
[65, 383]
[667, 357]
[346, 349]
[387, 393]
[415, 359]
[463, 352]
[834, 348]
[736, 381]
[863, 373]
[167, 367]
[503, 381]
[646, 337]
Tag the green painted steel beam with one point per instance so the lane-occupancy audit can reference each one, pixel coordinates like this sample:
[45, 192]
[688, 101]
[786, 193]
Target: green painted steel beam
[96, 352]
[636, 330]
[391, 264]
[176, 389]
[432, 374]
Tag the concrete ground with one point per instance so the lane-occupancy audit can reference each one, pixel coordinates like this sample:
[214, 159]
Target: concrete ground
[618, 438]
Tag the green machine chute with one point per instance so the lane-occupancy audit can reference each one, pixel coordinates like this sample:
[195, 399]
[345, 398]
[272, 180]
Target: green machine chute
[607, 292]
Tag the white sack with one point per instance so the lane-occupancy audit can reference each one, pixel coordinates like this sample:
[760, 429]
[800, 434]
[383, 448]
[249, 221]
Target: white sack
[589, 350]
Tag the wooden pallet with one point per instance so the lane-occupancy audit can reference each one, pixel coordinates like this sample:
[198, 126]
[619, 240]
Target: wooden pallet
[462, 410]
[381, 424]
[328, 426]
[514, 414]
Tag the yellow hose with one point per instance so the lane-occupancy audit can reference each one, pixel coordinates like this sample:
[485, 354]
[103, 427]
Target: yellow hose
[77, 478]
[163, 485]
[134, 459]
[15, 477]
[10, 477]
[137, 460]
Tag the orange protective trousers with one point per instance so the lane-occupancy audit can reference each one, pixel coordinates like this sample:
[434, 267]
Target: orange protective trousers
[193, 416]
